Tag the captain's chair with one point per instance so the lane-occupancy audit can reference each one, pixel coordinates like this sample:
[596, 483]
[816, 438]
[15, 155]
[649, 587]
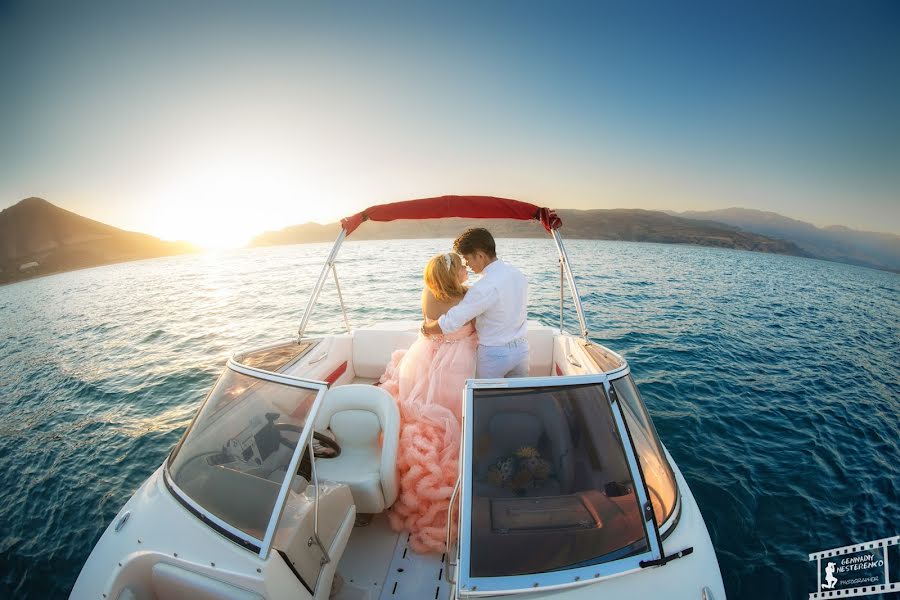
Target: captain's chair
[356, 414]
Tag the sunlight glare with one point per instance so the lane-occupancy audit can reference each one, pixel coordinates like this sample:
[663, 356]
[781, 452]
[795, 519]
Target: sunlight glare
[224, 203]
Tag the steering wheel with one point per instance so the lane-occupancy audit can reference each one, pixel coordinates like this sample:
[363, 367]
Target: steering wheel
[323, 446]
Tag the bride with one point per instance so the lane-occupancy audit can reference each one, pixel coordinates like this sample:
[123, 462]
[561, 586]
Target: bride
[427, 382]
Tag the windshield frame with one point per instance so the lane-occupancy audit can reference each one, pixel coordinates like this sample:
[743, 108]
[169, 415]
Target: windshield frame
[560, 578]
[668, 524]
[261, 547]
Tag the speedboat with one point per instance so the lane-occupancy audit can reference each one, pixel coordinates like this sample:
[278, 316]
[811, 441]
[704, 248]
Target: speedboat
[280, 485]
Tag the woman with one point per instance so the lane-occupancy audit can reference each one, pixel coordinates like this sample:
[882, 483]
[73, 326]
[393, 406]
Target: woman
[427, 381]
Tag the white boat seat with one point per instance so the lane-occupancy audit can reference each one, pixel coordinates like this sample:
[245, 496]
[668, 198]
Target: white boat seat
[540, 350]
[372, 349]
[358, 415]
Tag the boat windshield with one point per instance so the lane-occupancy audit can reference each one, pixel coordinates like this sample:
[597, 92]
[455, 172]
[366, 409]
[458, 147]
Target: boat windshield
[233, 459]
[551, 485]
[654, 464]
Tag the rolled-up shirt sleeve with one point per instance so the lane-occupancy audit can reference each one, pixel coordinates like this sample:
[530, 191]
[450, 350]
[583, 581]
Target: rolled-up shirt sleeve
[477, 300]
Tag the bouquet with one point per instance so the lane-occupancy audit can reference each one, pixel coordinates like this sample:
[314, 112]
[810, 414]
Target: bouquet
[520, 471]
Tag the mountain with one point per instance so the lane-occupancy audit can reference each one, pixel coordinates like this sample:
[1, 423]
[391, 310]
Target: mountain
[836, 243]
[38, 238]
[600, 224]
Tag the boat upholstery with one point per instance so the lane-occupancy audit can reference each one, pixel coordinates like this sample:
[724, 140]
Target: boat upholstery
[170, 581]
[373, 347]
[540, 349]
[358, 415]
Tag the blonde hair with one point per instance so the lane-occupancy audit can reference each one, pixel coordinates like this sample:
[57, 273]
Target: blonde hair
[440, 277]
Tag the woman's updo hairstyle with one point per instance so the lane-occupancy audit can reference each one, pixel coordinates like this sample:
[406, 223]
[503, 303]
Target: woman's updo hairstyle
[441, 279]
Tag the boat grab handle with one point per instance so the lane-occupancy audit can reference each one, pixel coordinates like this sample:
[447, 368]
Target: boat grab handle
[450, 562]
[318, 358]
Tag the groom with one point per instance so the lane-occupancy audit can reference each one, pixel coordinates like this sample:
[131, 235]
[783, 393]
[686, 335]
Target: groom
[497, 302]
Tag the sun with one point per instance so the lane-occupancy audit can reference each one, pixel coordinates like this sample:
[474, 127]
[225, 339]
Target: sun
[222, 204]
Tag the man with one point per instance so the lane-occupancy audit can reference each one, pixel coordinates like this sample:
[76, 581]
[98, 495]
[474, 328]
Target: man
[497, 302]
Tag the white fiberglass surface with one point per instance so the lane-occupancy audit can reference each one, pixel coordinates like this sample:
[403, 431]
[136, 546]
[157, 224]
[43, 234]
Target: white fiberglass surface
[551, 484]
[235, 455]
[656, 469]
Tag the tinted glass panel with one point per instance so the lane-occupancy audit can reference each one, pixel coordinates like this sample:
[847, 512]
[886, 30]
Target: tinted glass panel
[551, 484]
[657, 471]
[235, 455]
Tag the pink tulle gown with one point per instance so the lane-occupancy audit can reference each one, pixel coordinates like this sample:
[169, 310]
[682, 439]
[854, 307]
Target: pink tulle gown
[427, 381]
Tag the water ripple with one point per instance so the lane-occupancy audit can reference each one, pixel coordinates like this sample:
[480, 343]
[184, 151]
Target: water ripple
[773, 381]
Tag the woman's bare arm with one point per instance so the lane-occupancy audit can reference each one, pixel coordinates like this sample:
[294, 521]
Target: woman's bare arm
[432, 308]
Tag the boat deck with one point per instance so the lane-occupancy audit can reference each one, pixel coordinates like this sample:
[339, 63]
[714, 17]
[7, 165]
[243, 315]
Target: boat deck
[378, 564]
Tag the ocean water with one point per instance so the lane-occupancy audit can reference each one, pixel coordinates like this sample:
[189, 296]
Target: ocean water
[773, 381]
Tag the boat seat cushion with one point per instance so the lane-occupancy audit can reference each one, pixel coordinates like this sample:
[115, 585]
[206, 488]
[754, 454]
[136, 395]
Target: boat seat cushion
[365, 421]
[372, 349]
[540, 351]
[361, 472]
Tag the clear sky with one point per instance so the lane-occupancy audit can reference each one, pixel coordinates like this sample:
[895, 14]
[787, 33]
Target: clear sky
[214, 121]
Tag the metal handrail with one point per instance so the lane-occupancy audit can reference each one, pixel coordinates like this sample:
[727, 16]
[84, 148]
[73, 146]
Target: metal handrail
[315, 536]
[576, 298]
[317, 289]
[448, 562]
[565, 273]
[337, 286]
[561, 295]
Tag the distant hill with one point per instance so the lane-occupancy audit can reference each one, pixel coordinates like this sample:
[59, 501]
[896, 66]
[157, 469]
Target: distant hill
[617, 224]
[38, 238]
[836, 243]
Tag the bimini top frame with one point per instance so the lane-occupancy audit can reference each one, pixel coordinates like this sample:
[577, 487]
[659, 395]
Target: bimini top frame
[472, 207]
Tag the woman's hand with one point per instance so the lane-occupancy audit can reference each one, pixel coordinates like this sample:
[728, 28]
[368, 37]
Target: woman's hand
[430, 327]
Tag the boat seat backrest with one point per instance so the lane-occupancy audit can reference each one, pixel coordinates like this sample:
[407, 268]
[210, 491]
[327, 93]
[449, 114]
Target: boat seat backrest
[357, 415]
[513, 430]
[540, 351]
[356, 428]
[372, 349]
[507, 424]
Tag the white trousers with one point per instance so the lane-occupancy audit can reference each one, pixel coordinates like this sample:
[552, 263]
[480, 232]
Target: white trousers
[510, 360]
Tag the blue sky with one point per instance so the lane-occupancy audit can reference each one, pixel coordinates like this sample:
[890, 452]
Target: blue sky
[212, 121]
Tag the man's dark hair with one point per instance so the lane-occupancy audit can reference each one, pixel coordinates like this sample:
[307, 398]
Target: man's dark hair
[473, 239]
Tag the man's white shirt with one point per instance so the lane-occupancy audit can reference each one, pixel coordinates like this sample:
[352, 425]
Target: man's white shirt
[499, 304]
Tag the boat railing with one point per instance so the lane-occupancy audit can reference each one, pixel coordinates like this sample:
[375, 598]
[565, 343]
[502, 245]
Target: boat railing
[450, 562]
[565, 274]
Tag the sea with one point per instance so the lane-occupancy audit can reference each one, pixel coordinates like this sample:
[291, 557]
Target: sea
[774, 382]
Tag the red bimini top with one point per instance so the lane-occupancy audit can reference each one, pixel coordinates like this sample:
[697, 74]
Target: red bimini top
[471, 207]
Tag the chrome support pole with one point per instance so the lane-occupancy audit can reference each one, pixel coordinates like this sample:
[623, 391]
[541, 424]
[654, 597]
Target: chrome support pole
[576, 298]
[315, 536]
[451, 564]
[337, 286]
[317, 289]
[561, 295]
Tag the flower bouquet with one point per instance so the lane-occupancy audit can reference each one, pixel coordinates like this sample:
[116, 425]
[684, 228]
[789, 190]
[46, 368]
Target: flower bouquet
[520, 471]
